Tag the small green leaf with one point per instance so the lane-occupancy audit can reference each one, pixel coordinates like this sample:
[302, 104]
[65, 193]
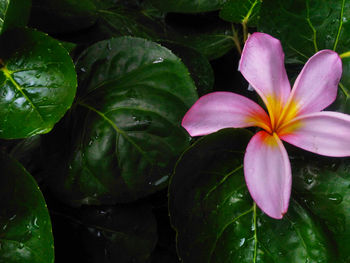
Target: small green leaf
[120, 234]
[188, 6]
[241, 11]
[216, 220]
[14, 13]
[37, 83]
[25, 226]
[124, 135]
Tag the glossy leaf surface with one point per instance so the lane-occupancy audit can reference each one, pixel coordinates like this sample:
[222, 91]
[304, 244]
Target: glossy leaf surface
[323, 185]
[305, 27]
[216, 220]
[125, 128]
[241, 11]
[38, 83]
[14, 13]
[25, 234]
[197, 64]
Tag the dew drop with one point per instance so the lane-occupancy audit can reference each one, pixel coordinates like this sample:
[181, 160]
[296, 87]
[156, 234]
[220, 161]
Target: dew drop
[158, 60]
[335, 198]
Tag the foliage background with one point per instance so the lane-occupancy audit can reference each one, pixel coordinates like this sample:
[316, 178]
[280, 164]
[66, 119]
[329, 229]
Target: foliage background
[92, 97]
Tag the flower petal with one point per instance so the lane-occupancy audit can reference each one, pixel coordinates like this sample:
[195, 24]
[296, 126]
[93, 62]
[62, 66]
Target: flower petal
[267, 173]
[326, 133]
[219, 110]
[317, 84]
[262, 65]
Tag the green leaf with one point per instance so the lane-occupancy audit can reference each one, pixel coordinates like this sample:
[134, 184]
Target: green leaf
[120, 234]
[123, 21]
[322, 183]
[125, 132]
[197, 64]
[213, 42]
[305, 27]
[26, 234]
[38, 83]
[241, 11]
[14, 13]
[216, 220]
[61, 16]
[187, 6]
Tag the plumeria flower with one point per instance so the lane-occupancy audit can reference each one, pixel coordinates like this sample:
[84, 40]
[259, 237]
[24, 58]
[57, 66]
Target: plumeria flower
[294, 116]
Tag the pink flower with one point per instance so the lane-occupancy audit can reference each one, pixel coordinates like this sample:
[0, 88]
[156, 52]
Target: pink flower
[294, 116]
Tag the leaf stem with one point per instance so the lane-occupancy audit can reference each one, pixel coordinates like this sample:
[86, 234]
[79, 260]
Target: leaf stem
[236, 39]
[255, 234]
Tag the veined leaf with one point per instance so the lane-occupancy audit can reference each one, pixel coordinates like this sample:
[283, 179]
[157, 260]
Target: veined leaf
[216, 220]
[25, 234]
[125, 128]
[241, 11]
[37, 83]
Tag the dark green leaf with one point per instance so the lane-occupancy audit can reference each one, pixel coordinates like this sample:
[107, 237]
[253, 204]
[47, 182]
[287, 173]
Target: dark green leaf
[38, 83]
[122, 21]
[241, 11]
[26, 234]
[119, 234]
[124, 132]
[323, 183]
[216, 220]
[304, 26]
[14, 13]
[197, 64]
[188, 6]
[59, 16]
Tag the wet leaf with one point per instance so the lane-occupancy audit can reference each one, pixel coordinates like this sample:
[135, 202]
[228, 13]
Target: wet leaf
[38, 83]
[25, 227]
[124, 132]
[216, 220]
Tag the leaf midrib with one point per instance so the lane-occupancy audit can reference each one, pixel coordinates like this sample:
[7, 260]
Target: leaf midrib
[9, 77]
[117, 129]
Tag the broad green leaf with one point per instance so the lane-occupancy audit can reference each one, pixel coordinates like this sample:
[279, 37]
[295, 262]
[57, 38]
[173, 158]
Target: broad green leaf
[212, 41]
[124, 134]
[241, 11]
[323, 184]
[38, 83]
[25, 227]
[14, 13]
[123, 21]
[197, 64]
[216, 220]
[188, 6]
[305, 26]
[120, 234]
[60, 16]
